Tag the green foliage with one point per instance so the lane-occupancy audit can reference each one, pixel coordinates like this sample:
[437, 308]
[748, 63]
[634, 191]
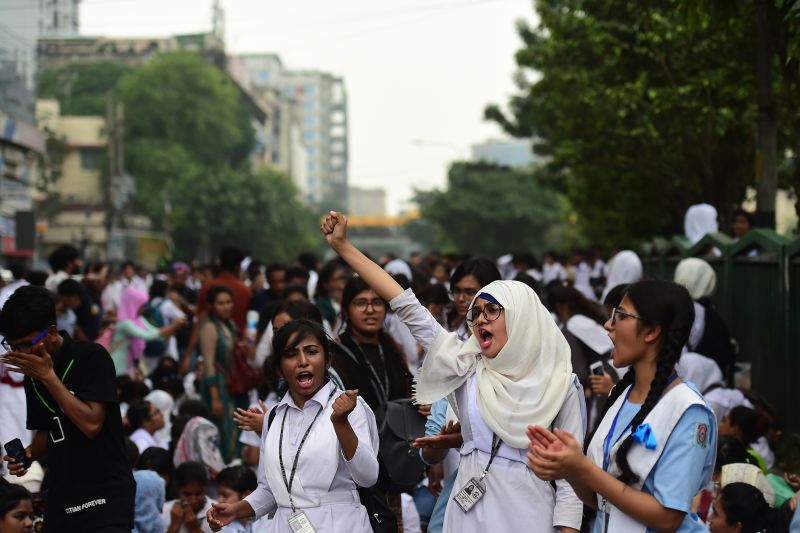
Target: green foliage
[640, 113]
[491, 210]
[179, 98]
[81, 89]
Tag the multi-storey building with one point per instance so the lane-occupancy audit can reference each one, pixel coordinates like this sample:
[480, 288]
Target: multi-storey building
[21, 143]
[58, 17]
[322, 107]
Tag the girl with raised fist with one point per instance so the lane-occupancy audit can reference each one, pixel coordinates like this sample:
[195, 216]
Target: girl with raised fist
[320, 446]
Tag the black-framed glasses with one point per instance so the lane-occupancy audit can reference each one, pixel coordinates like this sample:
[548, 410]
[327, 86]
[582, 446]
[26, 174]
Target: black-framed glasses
[490, 312]
[466, 294]
[362, 303]
[25, 346]
[624, 314]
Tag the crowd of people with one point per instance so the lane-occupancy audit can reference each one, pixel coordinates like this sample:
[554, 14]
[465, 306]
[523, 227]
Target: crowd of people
[442, 393]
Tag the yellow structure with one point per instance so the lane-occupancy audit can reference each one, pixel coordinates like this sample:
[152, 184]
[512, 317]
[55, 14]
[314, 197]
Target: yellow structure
[81, 216]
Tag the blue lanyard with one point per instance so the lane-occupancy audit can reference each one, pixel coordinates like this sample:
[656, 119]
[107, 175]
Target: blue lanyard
[607, 442]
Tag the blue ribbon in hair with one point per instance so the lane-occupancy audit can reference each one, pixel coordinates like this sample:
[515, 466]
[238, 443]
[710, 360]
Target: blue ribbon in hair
[644, 435]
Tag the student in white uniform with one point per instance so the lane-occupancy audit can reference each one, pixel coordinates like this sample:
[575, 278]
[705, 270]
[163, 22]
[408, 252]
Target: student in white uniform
[320, 447]
[656, 444]
[515, 368]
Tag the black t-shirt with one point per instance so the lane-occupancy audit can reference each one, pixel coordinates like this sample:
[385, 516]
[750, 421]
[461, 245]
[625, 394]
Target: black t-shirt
[90, 480]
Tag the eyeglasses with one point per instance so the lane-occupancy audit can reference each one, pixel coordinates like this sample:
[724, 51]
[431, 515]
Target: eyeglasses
[490, 312]
[624, 314]
[466, 294]
[24, 347]
[362, 303]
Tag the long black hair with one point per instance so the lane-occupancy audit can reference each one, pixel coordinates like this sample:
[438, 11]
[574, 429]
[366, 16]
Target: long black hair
[658, 303]
[575, 301]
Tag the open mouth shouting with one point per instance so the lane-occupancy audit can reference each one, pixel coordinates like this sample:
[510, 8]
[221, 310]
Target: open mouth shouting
[305, 380]
[485, 338]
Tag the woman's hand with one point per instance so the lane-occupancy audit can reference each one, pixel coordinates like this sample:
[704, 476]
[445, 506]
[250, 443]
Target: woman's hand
[335, 229]
[448, 437]
[344, 405]
[220, 515]
[435, 477]
[252, 419]
[554, 455]
[601, 384]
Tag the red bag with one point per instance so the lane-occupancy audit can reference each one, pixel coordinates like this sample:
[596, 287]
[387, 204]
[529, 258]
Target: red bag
[243, 377]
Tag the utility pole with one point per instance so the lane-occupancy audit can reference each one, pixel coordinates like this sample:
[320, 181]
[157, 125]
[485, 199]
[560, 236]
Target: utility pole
[767, 126]
[116, 192]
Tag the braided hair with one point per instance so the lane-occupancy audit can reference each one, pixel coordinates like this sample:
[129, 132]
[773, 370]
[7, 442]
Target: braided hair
[658, 303]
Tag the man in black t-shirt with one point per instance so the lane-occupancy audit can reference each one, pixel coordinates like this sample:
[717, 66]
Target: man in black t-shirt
[73, 408]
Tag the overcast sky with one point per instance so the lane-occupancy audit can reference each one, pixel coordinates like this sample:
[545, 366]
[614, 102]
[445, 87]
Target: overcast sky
[418, 73]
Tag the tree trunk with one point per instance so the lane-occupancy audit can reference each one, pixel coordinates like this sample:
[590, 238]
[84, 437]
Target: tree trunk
[767, 127]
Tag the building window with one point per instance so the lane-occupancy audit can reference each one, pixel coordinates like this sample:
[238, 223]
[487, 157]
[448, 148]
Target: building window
[309, 104]
[312, 166]
[310, 120]
[309, 89]
[308, 136]
[311, 151]
[91, 159]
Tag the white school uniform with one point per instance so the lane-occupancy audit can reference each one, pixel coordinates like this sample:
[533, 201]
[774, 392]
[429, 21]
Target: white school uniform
[166, 518]
[514, 494]
[325, 483]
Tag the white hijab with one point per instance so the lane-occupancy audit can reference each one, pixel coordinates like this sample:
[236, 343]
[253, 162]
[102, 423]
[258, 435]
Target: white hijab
[700, 370]
[700, 220]
[525, 384]
[697, 276]
[625, 267]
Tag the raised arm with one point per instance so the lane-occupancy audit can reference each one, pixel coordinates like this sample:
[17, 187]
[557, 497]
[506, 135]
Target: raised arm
[335, 230]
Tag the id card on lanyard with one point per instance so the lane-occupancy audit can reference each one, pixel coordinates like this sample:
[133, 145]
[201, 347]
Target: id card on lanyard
[298, 520]
[475, 489]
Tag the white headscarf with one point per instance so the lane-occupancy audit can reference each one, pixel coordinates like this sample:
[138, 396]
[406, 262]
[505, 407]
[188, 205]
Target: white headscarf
[700, 370]
[700, 220]
[526, 383]
[625, 267]
[697, 276]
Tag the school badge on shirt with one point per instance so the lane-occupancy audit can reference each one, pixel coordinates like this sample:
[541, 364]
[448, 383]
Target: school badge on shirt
[701, 435]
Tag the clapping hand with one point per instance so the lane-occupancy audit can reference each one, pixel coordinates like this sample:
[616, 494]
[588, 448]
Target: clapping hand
[449, 437]
[251, 419]
[344, 405]
[220, 515]
[554, 454]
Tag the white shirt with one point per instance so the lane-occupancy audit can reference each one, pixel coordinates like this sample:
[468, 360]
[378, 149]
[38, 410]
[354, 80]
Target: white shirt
[514, 494]
[201, 516]
[8, 290]
[143, 440]
[325, 482]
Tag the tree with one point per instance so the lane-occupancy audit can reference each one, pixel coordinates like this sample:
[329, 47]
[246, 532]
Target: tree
[81, 89]
[187, 138]
[492, 210]
[180, 99]
[640, 114]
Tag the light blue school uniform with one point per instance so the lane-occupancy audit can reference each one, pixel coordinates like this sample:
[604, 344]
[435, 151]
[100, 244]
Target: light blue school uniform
[687, 460]
[433, 426]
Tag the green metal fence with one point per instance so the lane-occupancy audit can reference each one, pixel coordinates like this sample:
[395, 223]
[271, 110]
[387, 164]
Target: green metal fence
[758, 295]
